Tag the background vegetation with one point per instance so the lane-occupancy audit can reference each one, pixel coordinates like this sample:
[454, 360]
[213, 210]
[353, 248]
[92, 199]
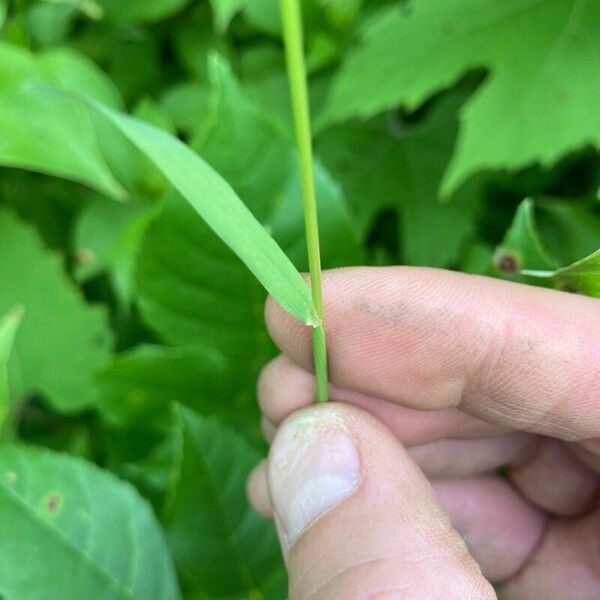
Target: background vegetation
[461, 134]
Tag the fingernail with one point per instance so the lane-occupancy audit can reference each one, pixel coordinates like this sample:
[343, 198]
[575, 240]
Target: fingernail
[313, 465]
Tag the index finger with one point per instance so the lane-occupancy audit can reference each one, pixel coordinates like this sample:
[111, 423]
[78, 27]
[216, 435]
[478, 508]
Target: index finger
[515, 355]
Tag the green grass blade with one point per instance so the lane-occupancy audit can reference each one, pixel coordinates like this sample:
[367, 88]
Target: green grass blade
[216, 202]
[292, 34]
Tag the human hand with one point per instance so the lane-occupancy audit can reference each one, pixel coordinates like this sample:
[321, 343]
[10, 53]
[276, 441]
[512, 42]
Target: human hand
[461, 375]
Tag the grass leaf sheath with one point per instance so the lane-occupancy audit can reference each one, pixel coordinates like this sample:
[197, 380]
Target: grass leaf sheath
[292, 35]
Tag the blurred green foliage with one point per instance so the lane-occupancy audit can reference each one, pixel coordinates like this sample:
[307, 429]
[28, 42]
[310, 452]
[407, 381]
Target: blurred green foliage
[460, 134]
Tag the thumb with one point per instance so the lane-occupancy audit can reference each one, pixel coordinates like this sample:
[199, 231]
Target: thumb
[357, 518]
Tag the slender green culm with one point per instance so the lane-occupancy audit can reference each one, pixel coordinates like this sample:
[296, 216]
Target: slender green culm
[294, 50]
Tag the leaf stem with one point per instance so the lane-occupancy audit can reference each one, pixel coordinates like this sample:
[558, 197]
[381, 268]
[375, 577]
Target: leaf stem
[293, 38]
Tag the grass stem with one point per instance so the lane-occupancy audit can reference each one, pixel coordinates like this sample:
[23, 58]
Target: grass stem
[294, 50]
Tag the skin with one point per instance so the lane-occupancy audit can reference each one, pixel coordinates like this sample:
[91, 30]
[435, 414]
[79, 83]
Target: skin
[442, 378]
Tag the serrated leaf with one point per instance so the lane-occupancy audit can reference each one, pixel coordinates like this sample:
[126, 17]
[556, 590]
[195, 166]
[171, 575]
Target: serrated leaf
[386, 164]
[222, 549]
[538, 101]
[9, 324]
[62, 341]
[213, 199]
[65, 140]
[522, 248]
[71, 531]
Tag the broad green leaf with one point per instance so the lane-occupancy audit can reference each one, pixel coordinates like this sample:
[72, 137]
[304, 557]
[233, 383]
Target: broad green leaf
[62, 341]
[56, 124]
[192, 289]
[3, 7]
[264, 16]
[9, 324]
[86, 148]
[210, 195]
[225, 10]
[107, 239]
[73, 71]
[478, 259]
[222, 549]
[141, 384]
[570, 229]
[49, 22]
[522, 248]
[388, 164]
[65, 141]
[538, 102]
[582, 276]
[71, 531]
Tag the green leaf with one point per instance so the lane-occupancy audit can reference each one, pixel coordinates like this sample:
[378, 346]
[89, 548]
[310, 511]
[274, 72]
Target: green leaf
[264, 16]
[193, 290]
[196, 41]
[48, 23]
[522, 248]
[478, 258]
[8, 329]
[210, 195]
[570, 229]
[186, 104]
[72, 71]
[141, 384]
[339, 231]
[191, 287]
[108, 236]
[222, 549]
[389, 164]
[258, 165]
[62, 341]
[225, 10]
[582, 276]
[3, 8]
[65, 140]
[71, 531]
[538, 102]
